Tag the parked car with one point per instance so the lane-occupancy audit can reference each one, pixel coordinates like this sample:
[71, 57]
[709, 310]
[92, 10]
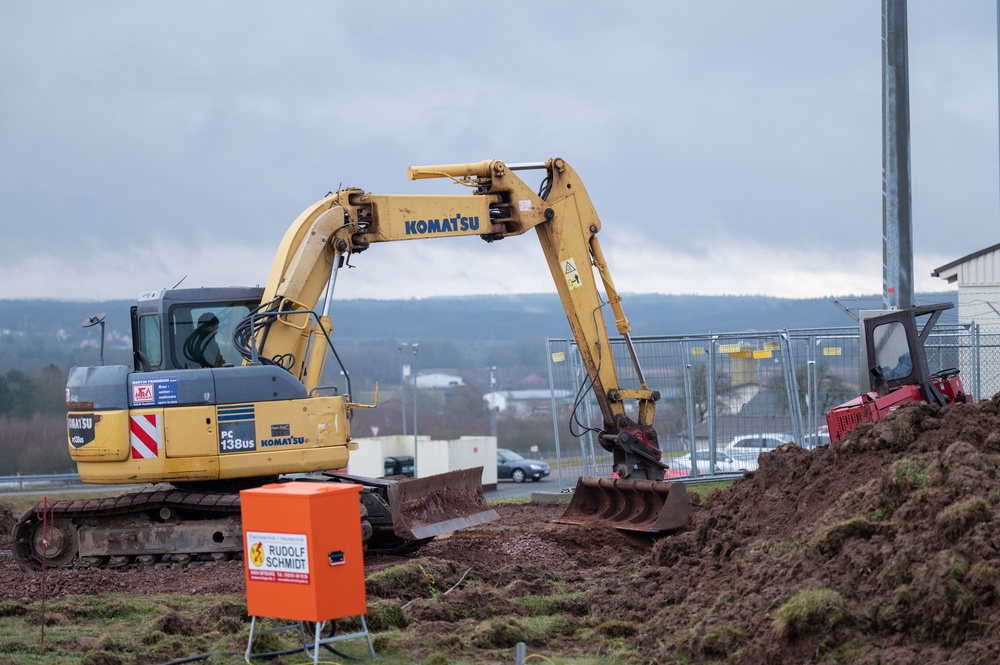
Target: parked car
[517, 468]
[744, 449]
[681, 466]
[821, 437]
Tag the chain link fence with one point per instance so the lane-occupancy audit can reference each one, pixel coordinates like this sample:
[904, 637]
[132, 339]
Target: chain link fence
[726, 397]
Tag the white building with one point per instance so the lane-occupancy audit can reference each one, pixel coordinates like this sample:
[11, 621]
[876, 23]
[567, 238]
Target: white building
[524, 402]
[438, 381]
[977, 276]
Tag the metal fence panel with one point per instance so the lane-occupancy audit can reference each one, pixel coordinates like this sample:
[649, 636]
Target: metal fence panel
[735, 394]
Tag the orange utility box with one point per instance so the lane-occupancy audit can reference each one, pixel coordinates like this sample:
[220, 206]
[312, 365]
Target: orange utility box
[303, 553]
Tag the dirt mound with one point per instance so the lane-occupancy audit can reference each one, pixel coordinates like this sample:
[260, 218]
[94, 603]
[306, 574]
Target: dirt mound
[879, 549]
[883, 548]
[7, 521]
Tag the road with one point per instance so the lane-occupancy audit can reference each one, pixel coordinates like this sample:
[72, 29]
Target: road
[508, 489]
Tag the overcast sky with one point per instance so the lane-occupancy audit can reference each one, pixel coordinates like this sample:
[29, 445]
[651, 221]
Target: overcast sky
[729, 147]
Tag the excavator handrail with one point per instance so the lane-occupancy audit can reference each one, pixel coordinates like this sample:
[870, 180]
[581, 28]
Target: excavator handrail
[318, 323]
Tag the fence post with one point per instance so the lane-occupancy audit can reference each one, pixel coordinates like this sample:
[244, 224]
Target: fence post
[689, 403]
[555, 412]
[712, 406]
[791, 384]
[976, 365]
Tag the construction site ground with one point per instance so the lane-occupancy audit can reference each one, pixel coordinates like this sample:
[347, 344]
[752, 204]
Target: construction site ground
[883, 548]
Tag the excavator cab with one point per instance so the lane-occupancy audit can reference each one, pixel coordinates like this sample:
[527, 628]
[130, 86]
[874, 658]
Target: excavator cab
[166, 325]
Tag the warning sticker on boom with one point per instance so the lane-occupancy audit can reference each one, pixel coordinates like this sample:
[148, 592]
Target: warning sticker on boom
[277, 557]
[572, 276]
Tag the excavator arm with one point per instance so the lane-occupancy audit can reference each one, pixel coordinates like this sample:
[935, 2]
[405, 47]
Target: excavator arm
[503, 205]
[286, 330]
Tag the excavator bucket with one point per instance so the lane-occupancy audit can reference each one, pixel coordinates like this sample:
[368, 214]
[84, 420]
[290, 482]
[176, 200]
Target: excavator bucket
[426, 507]
[647, 507]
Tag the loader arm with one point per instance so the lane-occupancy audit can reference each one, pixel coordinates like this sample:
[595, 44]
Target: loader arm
[566, 225]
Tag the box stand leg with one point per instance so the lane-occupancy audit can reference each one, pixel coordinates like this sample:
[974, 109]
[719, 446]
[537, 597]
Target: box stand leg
[312, 652]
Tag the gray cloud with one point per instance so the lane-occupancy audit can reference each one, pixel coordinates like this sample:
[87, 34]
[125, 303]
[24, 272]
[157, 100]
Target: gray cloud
[724, 143]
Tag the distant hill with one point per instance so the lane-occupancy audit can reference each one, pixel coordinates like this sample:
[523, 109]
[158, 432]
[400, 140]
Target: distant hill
[470, 318]
[541, 315]
[36, 332]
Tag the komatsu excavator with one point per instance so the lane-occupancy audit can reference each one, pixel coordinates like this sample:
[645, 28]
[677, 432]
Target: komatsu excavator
[197, 422]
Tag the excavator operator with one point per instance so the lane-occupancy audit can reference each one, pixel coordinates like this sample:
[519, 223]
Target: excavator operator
[200, 347]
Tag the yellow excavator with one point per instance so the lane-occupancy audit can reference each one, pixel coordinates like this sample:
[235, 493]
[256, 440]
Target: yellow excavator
[202, 414]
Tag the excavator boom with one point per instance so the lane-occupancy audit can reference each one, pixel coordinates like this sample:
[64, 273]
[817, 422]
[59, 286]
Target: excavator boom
[566, 224]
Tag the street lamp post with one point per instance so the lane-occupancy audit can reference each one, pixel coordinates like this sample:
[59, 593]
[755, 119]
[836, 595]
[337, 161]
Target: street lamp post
[493, 407]
[402, 384]
[416, 473]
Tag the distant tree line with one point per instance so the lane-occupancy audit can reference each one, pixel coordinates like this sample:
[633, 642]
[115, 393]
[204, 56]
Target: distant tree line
[33, 422]
[25, 395]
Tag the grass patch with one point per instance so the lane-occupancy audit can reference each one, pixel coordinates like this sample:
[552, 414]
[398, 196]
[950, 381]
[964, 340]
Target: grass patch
[127, 627]
[807, 611]
[575, 604]
[905, 477]
[511, 501]
[726, 640]
[704, 489]
[831, 539]
[955, 520]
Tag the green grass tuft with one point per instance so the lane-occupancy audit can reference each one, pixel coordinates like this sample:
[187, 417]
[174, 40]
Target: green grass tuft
[809, 610]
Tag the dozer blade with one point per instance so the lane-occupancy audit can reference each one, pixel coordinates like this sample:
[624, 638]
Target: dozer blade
[427, 507]
[642, 506]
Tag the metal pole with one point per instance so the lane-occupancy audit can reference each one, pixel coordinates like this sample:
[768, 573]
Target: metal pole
[689, 403]
[897, 219]
[338, 262]
[977, 378]
[416, 473]
[555, 418]
[588, 412]
[102, 343]
[712, 431]
[493, 409]
[791, 385]
[808, 418]
[402, 385]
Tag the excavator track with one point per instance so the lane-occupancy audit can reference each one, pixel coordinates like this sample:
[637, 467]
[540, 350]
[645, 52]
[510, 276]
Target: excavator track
[154, 526]
[162, 525]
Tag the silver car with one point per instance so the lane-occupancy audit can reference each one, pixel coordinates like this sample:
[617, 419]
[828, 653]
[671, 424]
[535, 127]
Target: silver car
[746, 447]
[681, 466]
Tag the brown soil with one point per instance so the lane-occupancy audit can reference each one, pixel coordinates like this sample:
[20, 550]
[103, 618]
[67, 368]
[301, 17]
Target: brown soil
[884, 548]
[7, 521]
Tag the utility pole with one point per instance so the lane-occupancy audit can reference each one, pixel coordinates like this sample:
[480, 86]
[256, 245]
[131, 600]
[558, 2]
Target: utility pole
[897, 218]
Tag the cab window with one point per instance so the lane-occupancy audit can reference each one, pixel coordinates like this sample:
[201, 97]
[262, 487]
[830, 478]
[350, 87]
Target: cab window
[892, 353]
[149, 338]
[186, 319]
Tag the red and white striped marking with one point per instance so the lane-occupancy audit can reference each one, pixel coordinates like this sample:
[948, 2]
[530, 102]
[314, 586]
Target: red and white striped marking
[145, 435]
